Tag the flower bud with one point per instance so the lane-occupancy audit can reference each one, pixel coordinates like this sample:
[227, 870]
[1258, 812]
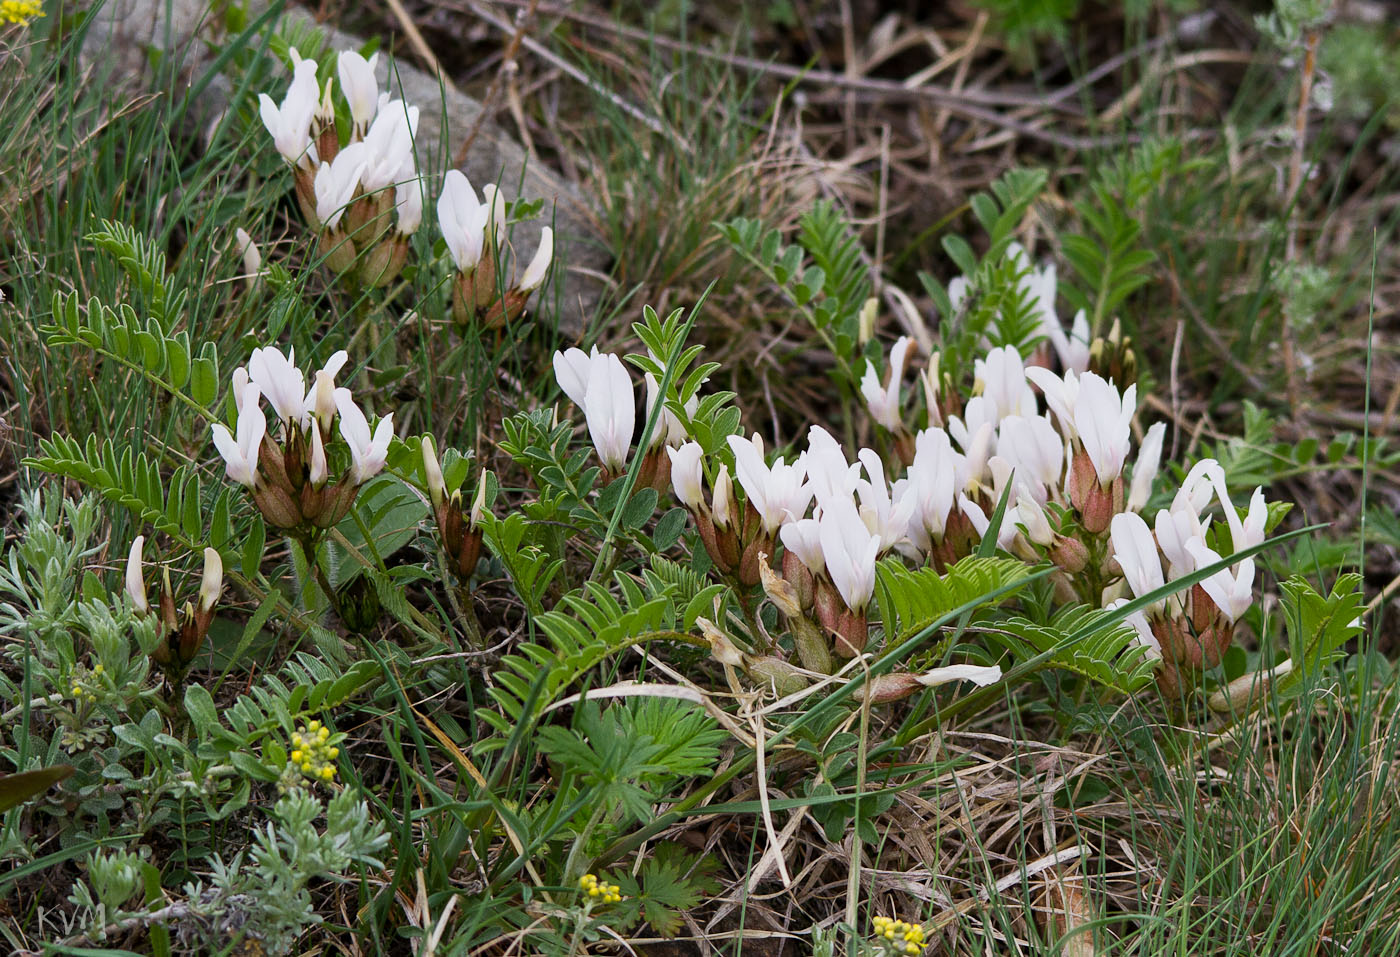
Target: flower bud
[478, 503]
[317, 471]
[687, 475]
[212, 584]
[437, 487]
[1070, 554]
[722, 503]
[135, 581]
[865, 325]
[252, 256]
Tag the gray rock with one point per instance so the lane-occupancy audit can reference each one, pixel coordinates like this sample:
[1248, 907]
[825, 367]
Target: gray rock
[124, 32]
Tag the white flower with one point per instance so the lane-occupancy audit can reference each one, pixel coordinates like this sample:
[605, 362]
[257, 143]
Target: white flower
[1174, 529]
[239, 383]
[1031, 517]
[1003, 377]
[539, 265]
[278, 378]
[884, 401]
[887, 520]
[432, 471]
[317, 471]
[1103, 420]
[1061, 395]
[1006, 533]
[1035, 450]
[1073, 349]
[212, 583]
[828, 473]
[240, 452]
[367, 454]
[1250, 532]
[290, 124]
[722, 502]
[478, 503]
[803, 539]
[849, 551]
[360, 87]
[388, 145]
[932, 484]
[336, 182]
[1198, 486]
[320, 398]
[252, 257]
[974, 432]
[1138, 620]
[1149, 458]
[493, 201]
[135, 580]
[608, 408]
[669, 428]
[688, 475]
[980, 675]
[1040, 286]
[462, 219]
[408, 206]
[957, 291]
[1136, 552]
[571, 370]
[778, 494]
[1232, 593]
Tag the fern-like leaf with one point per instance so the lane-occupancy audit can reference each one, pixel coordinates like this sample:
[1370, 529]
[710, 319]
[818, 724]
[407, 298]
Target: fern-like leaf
[1082, 640]
[913, 599]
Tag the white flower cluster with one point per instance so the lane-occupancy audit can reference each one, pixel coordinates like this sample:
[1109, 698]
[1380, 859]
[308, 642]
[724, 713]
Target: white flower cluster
[474, 230]
[1193, 628]
[347, 190]
[1063, 470]
[377, 162]
[290, 482]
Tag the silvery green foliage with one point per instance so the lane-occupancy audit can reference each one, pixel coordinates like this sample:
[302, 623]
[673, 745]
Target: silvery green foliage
[113, 878]
[291, 852]
[72, 637]
[39, 576]
[260, 896]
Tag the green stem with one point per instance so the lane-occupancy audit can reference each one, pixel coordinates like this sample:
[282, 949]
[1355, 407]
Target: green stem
[580, 843]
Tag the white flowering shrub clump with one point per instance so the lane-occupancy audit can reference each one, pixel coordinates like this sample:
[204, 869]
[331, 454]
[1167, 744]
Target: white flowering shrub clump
[348, 190]
[1047, 455]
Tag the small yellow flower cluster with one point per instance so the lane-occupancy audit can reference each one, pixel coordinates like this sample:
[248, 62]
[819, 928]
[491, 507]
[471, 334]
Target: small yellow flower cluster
[604, 893]
[84, 689]
[20, 11]
[905, 938]
[312, 752]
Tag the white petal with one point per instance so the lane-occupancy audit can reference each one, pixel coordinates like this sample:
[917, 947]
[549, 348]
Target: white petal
[135, 580]
[539, 265]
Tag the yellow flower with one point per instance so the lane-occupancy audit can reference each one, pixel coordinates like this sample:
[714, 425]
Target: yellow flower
[314, 751]
[20, 11]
